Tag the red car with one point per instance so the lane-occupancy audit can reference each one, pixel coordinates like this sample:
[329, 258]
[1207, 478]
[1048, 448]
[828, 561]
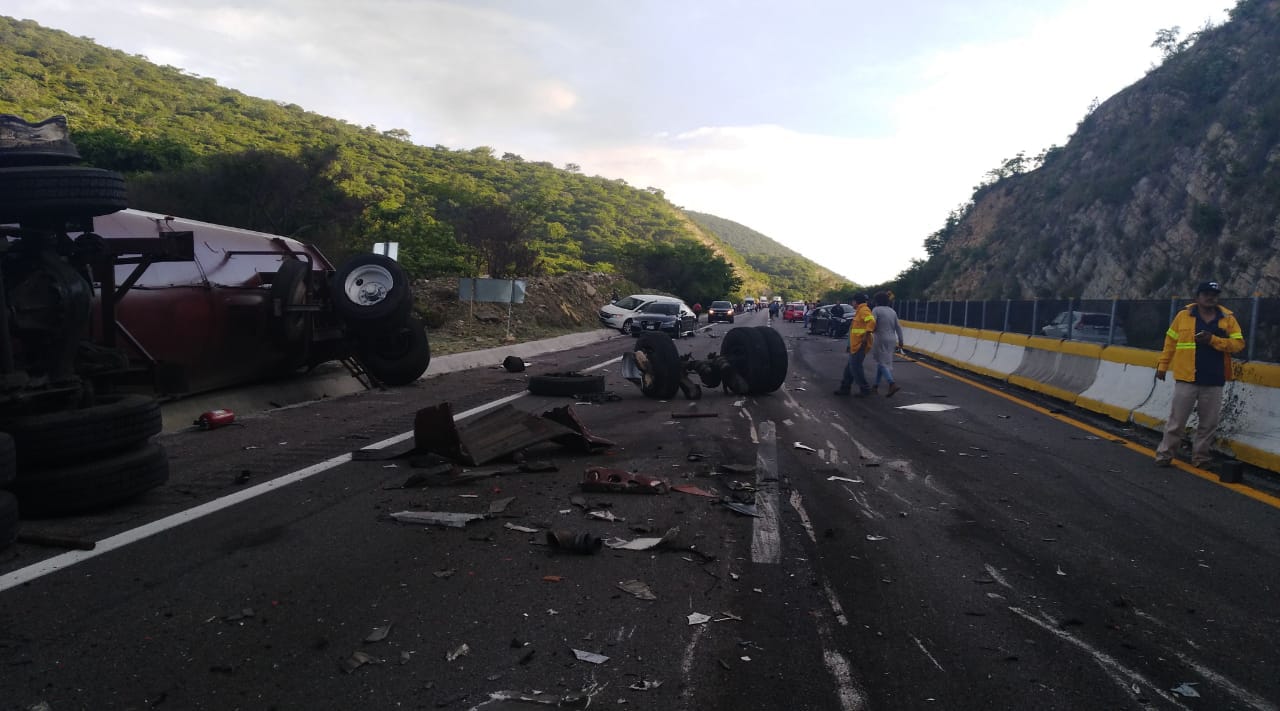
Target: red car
[795, 311]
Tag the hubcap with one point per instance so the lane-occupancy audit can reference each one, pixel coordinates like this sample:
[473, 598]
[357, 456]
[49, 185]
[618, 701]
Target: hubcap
[368, 285]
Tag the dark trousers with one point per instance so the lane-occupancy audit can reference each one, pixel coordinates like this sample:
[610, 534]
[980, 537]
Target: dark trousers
[854, 373]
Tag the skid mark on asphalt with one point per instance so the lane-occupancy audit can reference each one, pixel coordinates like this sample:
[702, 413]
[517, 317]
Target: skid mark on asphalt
[765, 543]
[996, 576]
[1123, 676]
[686, 666]
[927, 654]
[1242, 695]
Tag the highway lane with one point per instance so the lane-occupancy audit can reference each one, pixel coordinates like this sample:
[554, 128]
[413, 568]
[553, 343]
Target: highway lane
[989, 556]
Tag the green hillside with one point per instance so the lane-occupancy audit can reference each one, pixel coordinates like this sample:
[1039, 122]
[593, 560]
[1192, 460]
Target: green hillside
[192, 148]
[789, 273]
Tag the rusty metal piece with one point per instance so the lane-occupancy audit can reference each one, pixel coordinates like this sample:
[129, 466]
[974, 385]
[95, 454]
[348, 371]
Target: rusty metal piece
[621, 481]
[580, 437]
[483, 438]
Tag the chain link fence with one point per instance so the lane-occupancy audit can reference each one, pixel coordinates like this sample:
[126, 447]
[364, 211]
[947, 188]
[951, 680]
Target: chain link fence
[1140, 324]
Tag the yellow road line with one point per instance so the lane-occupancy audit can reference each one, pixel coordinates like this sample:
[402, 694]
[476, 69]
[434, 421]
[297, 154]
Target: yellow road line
[1208, 476]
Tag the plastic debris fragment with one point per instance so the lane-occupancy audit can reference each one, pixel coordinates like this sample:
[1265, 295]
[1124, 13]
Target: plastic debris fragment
[436, 518]
[590, 657]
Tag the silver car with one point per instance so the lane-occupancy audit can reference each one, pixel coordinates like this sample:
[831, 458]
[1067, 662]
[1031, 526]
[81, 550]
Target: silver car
[1085, 326]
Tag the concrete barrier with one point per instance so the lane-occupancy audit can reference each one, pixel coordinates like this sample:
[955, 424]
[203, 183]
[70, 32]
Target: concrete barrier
[1126, 379]
[1013, 347]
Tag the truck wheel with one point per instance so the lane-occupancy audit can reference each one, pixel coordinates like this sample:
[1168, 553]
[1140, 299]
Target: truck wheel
[289, 289]
[8, 519]
[662, 380]
[59, 191]
[113, 423]
[8, 460]
[776, 374]
[397, 355]
[91, 485]
[371, 289]
[746, 351]
[565, 384]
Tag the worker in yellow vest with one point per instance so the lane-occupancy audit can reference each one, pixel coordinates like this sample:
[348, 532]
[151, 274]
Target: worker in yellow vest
[861, 337]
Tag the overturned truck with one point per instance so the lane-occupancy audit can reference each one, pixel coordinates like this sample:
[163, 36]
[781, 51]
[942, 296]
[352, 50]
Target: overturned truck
[103, 308]
[752, 361]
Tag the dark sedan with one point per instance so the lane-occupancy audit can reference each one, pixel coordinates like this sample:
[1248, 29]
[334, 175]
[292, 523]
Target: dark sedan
[720, 311]
[668, 317]
[831, 320]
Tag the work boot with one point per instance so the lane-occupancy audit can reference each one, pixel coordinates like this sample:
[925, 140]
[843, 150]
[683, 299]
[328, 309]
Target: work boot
[1164, 462]
[893, 388]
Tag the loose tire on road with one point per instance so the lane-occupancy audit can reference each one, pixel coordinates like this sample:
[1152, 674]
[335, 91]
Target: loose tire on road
[8, 460]
[55, 491]
[744, 347]
[776, 375]
[662, 381]
[59, 191]
[565, 384]
[8, 519]
[369, 290]
[114, 423]
[397, 355]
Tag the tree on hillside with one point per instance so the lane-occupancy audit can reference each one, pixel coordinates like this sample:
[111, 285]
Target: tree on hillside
[689, 269]
[498, 232]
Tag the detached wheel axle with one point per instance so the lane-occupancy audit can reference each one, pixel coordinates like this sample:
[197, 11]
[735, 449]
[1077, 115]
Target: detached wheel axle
[752, 361]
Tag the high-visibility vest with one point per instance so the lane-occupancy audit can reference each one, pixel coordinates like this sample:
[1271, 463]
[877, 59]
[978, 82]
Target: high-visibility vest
[1180, 343]
[862, 329]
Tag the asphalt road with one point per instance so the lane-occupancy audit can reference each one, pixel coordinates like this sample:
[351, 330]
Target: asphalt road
[997, 555]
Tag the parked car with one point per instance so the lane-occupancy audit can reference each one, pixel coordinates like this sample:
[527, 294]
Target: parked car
[831, 320]
[619, 314]
[1085, 326]
[794, 311]
[720, 311]
[669, 316]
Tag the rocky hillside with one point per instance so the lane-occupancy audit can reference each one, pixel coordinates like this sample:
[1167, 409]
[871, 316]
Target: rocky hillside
[1173, 180]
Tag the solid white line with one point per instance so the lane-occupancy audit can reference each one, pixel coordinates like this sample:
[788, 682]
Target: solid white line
[1243, 695]
[1118, 672]
[766, 546]
[120, 540]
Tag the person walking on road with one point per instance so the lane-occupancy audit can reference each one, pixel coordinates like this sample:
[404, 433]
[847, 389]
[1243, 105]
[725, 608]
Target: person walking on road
[861, 337]
[1198, 346]
[888, 336]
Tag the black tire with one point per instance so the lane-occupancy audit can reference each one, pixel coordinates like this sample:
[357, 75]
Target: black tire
[664, 366]
[776, 374]
[747, 352]
[114, 423]
[565, 384]
[74, 488]
[289, 289]
[8, 519]
[397, 355]
[371, 289]
[8, 460]
[626, 328]
[29, 193]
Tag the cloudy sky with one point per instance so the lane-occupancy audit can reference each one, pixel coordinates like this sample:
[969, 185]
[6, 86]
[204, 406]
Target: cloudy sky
[844, 129]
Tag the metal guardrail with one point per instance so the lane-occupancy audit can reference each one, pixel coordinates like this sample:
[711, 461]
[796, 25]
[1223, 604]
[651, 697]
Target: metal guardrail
[1135, 323]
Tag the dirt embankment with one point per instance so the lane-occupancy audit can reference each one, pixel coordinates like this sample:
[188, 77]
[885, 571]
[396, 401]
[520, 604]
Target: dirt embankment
[553, 306]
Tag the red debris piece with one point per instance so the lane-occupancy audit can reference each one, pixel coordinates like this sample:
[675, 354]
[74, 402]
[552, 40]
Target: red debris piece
[621, 481]
[691, 489]
[214, 419]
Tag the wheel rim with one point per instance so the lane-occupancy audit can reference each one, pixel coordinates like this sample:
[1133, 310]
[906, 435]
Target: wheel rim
[626, 326]
[368, 285]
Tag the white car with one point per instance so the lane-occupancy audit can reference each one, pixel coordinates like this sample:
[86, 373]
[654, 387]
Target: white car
[620, 313]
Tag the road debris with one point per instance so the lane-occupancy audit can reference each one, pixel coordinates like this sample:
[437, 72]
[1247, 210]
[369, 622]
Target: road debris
[688, 415]
[697, 618]
[1186, 689]
[643, 544]
[692, 489]
[522, 529]
[637, 589]
[592, 657]
[436, 518]
[744, 509]
[581, 542]
[620, 481]
[497, 506]
[803, 447]
[605, 516]
[876, 538]
[459, 651]
[378, 634]
[514, 364]
[357, 660]
[845, 478]
[643, 685]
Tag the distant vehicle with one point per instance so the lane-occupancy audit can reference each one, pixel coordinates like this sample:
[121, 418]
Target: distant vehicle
[667, 316]
[1085, 326]
[777, 299]
[831, 320]
[720, 311]
[794, 311]
[748, 305]
[619, 313]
